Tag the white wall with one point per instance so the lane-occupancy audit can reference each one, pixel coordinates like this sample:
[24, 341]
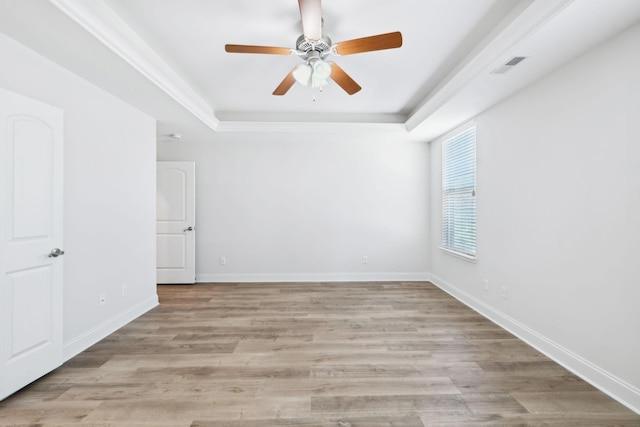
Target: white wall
[559, 216]
[309, 206]
[109, 196]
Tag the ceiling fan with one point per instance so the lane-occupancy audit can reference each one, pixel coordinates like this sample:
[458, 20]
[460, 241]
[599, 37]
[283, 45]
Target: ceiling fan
[313, 48]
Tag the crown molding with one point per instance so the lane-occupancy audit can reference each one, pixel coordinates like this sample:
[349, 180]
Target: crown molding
[104, 24]
[528, 17]
[319, 127]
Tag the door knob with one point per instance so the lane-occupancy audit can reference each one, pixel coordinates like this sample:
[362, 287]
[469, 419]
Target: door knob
[188, 229]
[55, 252]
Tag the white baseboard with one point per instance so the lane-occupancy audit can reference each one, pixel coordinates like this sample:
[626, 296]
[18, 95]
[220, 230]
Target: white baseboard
[311, 277]
[615, 387]
[92, 336]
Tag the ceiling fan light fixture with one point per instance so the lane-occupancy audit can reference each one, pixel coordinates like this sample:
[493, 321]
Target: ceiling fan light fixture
[302, 73]
[321, 70]
[317, 83]
[321, 73]
[315, 73]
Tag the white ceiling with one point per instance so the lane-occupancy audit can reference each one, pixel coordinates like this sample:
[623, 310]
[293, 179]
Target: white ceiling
[191, 35]
[167, 57]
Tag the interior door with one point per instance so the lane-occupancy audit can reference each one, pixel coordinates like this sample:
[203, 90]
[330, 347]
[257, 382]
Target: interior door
[30, 240]
[176, 240]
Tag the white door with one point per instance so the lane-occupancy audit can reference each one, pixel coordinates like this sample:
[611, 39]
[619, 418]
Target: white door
[30, 240]
[176, 213]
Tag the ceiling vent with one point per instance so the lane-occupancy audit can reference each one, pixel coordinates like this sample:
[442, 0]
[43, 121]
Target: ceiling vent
[509, 65]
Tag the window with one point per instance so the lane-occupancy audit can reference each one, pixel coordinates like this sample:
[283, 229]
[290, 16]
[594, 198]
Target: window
[459, 193]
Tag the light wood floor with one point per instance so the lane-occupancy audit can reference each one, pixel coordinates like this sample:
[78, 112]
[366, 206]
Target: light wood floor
[311, 355]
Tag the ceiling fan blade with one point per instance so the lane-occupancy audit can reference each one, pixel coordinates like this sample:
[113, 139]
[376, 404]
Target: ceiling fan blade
[369, 44]
[311, 14]
[269, 50]
[285, 85]
[343, 80]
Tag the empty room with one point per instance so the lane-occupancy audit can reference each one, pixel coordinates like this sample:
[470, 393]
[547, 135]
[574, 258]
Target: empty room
[319, 213]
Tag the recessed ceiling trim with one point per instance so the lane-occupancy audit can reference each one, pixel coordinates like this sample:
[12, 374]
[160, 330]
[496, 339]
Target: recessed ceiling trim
[317, 117]
[104, 24]
[316, 127]
[524, 20]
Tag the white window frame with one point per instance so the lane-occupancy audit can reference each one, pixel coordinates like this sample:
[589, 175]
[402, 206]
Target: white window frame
[459, 182]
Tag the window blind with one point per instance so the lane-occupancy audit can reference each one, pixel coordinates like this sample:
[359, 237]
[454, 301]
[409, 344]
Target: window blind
[459, 192]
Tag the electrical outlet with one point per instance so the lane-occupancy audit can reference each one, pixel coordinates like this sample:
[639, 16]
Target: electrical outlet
[503, 292]
[102, 299]
[223, 260]
[485, 285]
[365, 260]
[125, 290]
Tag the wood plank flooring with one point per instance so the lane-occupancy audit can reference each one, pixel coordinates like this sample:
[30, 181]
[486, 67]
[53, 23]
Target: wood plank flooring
[311, 355]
